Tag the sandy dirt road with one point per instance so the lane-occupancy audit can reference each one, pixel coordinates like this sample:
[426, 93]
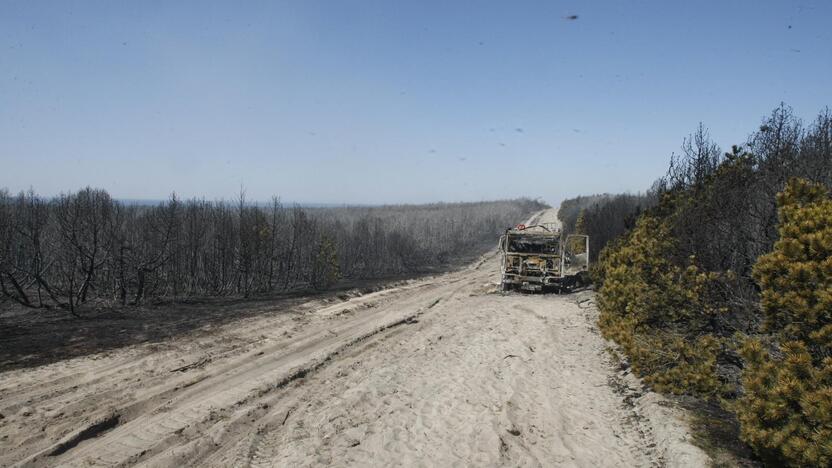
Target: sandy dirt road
[444, 371]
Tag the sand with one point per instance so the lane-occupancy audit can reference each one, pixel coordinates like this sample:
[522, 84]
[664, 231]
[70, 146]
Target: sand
[442, 371]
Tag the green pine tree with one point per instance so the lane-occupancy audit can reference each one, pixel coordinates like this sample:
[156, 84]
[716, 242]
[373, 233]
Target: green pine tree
[786, 412]
[325, 270]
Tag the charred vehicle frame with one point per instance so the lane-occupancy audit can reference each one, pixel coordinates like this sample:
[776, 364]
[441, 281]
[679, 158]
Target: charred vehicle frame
[540, 258]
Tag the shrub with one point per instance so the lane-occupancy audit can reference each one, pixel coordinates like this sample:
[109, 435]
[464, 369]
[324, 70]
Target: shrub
[658, 312]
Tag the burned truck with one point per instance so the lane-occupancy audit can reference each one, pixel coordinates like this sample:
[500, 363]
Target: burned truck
[541, 258]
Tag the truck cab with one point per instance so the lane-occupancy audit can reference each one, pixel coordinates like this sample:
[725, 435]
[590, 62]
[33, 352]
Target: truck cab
[539, 258]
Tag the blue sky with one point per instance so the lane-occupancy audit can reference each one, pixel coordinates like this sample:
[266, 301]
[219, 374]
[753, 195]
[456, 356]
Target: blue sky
[381, 102]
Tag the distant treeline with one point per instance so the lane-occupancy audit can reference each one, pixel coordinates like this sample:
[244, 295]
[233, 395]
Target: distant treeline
[722, 288]
[84, 248]
[603, 217]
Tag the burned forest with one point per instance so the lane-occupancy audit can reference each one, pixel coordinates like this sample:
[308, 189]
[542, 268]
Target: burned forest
[86, 250]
